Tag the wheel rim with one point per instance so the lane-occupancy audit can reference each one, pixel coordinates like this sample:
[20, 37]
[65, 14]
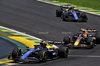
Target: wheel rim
[44, 57]
[92, 44]
[65, 54]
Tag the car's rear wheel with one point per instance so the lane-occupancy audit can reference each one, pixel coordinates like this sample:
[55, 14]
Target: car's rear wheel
[66, 40]
[63, 52]
[83, 17]
[97, 39]
[91, 42]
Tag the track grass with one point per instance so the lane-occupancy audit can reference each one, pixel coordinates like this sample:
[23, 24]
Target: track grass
[95, 4]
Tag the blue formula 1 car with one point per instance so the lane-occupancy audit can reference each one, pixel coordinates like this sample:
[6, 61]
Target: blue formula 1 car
[39, 53]
[71, 14]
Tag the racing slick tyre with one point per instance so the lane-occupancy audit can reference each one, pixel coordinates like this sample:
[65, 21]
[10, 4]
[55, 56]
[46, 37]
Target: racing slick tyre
[65, 17]
[97, 39]
[42, 56]
[58, 12]
[91, 42]
[63, 52]
[83, 17]
[66, 40]
[9, 56]
[15, 53]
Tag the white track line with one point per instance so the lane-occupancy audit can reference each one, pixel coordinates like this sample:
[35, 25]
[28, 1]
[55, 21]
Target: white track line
[62, 5]
[20, 32]
[93, 56]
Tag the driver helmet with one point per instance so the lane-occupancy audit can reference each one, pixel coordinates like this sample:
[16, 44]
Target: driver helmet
[72, 7]
[83, 31]
[43, 43]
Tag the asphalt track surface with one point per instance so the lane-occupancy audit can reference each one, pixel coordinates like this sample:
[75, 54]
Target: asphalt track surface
[38, 19]
[6, 47]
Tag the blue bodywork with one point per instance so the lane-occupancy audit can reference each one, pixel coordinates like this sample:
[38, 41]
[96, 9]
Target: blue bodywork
[74, 13]
[28, 53]
[37, 48]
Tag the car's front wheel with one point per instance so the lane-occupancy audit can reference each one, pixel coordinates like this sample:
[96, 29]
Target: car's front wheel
[15, 53]
[42, 56]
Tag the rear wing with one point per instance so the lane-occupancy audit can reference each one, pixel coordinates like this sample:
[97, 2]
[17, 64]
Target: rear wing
[90, 31]
[55, 42]
[64, 7]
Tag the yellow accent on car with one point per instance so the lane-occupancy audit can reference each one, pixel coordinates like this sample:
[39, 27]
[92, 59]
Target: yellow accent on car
[66, 9]
[76, 43]
[65, 52]
[50, 47]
